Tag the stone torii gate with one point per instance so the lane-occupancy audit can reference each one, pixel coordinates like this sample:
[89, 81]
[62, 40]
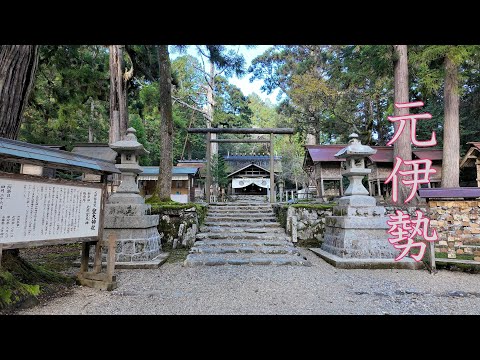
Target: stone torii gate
[209, 131]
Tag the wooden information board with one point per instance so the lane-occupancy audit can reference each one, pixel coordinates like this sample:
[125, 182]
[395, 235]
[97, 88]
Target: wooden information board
[33, 211]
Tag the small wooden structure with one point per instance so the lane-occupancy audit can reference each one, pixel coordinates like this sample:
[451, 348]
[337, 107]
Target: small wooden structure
[381, 164]
[436, 155]
[325, 169]
[249, 180]
[472, 159]
[183, 182]
[99, 151]
[322, 165]
[37, 211]
[198, 182]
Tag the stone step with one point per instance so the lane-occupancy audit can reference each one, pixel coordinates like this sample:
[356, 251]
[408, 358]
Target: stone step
[206, 249]
[240, 209]
[239, 204]
[239, 235]
[210, 219]
[244, 259]
[241, 242]
[244, 229]
[238, 224]
[242, 214]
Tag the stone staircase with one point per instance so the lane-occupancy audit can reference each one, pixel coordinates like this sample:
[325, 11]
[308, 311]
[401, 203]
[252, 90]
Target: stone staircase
[242, 233]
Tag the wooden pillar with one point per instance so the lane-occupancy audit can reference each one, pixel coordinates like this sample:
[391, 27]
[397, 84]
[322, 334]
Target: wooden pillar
[272, 171]
[370, 188]
[322, 188]
[208, 179]
[379, 188]
[341, 186]
[477, 162]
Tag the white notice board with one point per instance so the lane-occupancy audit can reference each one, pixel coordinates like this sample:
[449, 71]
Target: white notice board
[36, 210]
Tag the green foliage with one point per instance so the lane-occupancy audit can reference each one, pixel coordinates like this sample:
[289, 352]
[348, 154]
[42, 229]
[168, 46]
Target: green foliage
[68, 80]
[21, 282]
[219, 171]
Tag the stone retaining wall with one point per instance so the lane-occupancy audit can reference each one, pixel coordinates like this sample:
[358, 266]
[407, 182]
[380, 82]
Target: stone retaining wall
[458, 227]
[310, 222]
[178, 227]
[457, 224]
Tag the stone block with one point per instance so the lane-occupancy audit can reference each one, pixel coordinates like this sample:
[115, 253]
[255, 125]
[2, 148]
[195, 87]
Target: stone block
[123, 258]
[459, 251]
[139, 246]
[142, 256]
[442, 243]
[476, 258]
[128, 247]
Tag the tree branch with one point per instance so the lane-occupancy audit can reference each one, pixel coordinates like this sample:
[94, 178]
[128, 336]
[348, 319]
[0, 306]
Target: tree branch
[190, 106]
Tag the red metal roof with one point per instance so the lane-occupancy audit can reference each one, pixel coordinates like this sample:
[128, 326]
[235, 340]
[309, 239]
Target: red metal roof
[432, 154]
[384, 154]
[324, 152]
[475, 144]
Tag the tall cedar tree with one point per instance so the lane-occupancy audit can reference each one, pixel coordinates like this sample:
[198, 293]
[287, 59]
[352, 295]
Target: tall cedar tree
[402, 147]
[451, 125]
[18, 65]
[164, 184]
[118, 94]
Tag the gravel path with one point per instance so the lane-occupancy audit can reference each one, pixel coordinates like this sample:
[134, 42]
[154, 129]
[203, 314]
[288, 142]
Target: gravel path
[319, 289]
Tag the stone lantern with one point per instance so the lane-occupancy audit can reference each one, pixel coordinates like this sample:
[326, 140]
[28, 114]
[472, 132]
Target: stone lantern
[355, 154]
[356, 235]
[130, 151]
[127, 215]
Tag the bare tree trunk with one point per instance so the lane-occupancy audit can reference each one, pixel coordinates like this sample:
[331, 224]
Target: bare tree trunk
[211, 105]
[92, 120]
[164, 184]
[18, 65]
[311, 139]
[118, 95]
[402, 147]
[451, 128]
[380, 125]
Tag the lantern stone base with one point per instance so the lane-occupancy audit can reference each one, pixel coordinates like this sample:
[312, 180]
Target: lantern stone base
[356, 237]
[138, 241]
[343, 263]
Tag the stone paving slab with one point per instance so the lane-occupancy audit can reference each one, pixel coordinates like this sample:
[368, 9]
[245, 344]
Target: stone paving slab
[245, 259]
[343, 263]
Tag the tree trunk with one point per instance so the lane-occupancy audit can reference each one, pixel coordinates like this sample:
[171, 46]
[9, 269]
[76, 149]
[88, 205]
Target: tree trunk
[92, 120]
[164, 184]
[211, 105]
[18, 65]
[451, 128]
[380, 125]
[311, 139]
[402, 147]
[118, 95]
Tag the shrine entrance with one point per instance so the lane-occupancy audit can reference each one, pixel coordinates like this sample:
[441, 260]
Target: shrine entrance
[249, 180]
[271, 172]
